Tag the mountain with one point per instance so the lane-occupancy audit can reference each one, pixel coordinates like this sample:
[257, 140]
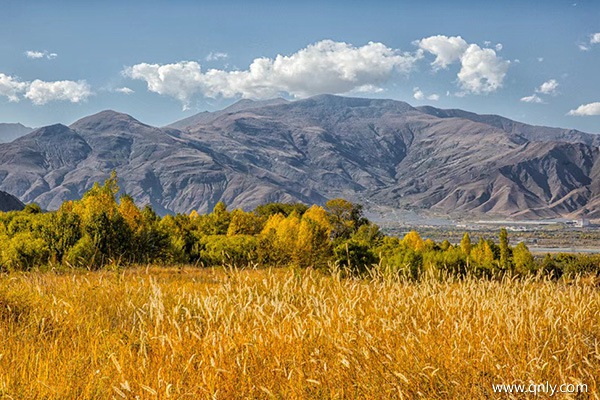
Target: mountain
[9, 202]
[9, 132]
[377, 152]
[528, 132]
[208, 117]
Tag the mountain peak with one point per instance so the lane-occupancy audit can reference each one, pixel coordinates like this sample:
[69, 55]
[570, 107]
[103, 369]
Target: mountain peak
[46, 132]
[336, 101]
[206, 117]
[106, 120]
[9, 132]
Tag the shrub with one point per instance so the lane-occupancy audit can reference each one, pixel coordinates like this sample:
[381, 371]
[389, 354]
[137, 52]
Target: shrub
[24, 251]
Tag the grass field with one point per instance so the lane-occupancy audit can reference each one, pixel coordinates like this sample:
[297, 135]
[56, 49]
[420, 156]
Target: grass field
[278, 333]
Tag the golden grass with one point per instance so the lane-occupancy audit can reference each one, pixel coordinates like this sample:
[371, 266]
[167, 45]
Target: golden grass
[279, 333]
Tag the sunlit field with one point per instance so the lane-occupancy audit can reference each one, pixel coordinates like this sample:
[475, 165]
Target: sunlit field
[282, 333]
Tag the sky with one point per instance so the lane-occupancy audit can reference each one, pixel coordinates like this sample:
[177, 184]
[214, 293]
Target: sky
[161, 61]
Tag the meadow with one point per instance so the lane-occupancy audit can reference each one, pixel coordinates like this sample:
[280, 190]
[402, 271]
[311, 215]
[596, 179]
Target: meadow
[289, 333]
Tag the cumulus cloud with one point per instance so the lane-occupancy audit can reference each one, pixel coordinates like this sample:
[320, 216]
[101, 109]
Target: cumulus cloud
[180, 80]
[583, 47]
[499, 47]
[595, 38]
[586, 110]
[11, 87]
[446, 50]
[323, 67]
[534, 98]
[124, 90]
[40, 92]
[548, 87]
[214, 56]
[33, 54]
[482, 71]
[418, 94]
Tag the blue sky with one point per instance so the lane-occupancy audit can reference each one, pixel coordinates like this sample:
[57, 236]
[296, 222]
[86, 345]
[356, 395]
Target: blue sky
[161, 61]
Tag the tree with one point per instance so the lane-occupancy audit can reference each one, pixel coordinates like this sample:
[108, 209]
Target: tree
[285, 209]
[130, 212]
[219, 219]
[504, 250]
[523, 259]
[243, 223]
[483, 255]
[465, 244]
[61, 230]
[414, 241]
[345, 217]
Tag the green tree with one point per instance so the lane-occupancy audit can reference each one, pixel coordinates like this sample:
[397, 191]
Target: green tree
[414, 241]
[465, 245]
[504, 250]
[285, 209]
[345, 217]
[244, 223]
[523, 259]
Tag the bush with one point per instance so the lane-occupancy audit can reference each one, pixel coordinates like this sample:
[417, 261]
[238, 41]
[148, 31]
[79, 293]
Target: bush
[83, 254]
[356, 256]
[25, 251]
[236, 250]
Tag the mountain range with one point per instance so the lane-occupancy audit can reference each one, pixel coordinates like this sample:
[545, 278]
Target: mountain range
[377, 152]
[9, 132]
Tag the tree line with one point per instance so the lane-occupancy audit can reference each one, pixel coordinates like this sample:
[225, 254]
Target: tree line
[102, 228]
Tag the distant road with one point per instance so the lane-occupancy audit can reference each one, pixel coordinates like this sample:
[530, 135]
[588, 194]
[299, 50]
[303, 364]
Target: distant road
[535, 249]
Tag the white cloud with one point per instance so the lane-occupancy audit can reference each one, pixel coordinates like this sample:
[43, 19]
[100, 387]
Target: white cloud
[323, 67]
[548, 87]
[367, 89]
[594, 38]
[534, 98]
[586, 109]
[540, 59]
[40, 92]
[181, 80]
[124, 90]
[482, 71]
[214, 56]
[11, 87]
[33, 54]
[446, 50]
[418, 94]
[499, 47]
[583, 47]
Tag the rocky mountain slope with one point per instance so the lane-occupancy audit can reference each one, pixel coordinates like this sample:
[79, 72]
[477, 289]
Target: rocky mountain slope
[9, 202]
[377, 152]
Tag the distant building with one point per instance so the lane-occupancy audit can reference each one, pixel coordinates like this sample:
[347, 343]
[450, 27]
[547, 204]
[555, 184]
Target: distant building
[580, 223]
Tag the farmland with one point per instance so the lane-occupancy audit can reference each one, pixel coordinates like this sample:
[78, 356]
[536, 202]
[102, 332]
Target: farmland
[184, 332]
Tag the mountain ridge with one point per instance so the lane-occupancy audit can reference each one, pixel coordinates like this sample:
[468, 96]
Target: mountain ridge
[375, 151]
[9, 131]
